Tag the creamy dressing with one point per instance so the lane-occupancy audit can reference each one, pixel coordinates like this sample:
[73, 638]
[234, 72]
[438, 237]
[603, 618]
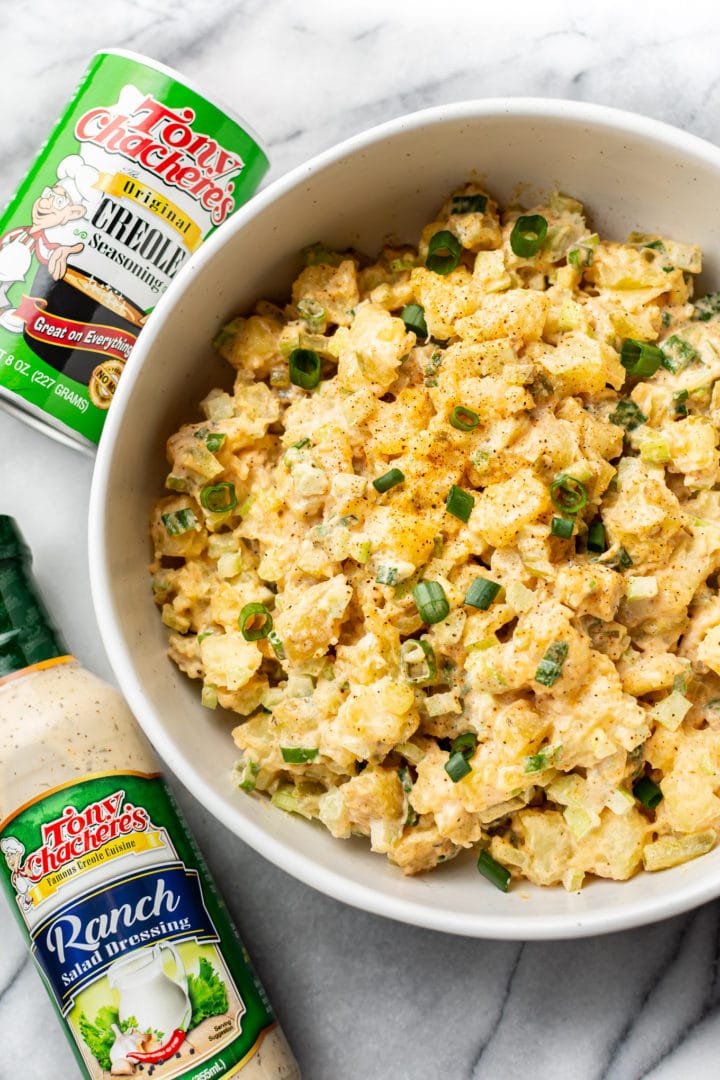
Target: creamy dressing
[60, 724]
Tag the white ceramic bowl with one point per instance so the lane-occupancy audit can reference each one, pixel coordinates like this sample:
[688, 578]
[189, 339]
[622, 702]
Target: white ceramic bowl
[631, 173]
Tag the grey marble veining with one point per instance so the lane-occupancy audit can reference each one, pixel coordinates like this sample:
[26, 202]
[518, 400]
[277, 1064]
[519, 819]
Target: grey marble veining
[363, 998]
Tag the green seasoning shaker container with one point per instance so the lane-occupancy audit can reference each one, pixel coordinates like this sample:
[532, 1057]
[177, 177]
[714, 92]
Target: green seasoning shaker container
[140, 169]
[136, 947]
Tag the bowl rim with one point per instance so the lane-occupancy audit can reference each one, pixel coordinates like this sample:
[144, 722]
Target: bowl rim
[514, 926]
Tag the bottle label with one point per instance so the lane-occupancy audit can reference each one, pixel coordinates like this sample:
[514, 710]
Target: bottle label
[138, 172]
[135, 945]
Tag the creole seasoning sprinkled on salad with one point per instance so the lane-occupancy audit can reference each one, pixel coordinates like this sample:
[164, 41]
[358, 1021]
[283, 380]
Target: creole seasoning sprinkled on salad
[451, 553]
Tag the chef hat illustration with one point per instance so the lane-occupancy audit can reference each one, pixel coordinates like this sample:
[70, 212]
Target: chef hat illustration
[78, 179]
[10, 846]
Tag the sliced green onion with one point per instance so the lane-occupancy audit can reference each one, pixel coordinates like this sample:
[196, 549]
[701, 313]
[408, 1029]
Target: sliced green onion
[464, 419]
[277, 645]
[498, 875]
[627, 415]
[465, 744]
[387, 575]
[247, 619]
[528, 235]
[583, 254]
[568, 494]
[562, 527]
[459, 503]
[317, 254]
[214, 441]
[431, 601]
[299, 755]
[647, 792]
[596, 537]
[312, 312]
[246, 779]
[413, 315]
[444, 252]
[679, 406]
[388, 480]
[677, 354]
[457, 766]
[619, 561]
[411, 816]
[409, 661]
[640, 358]
[706, 307]
[432, 368]
[180, 521]
[481, 593]
[219, 498]
[304, 368]
[541, 760]
[550, 667]
[468, 204]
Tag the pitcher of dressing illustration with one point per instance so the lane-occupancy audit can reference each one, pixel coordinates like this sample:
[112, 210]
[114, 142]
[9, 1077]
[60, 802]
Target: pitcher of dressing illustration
[155, 999]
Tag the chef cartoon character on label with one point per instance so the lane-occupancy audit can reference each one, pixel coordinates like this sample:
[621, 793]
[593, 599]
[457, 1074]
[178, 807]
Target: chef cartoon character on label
[13, 851]
[67, 200]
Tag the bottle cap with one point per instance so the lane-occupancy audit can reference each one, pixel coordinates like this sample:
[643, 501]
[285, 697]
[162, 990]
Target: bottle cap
[27, 633]
[12, 545]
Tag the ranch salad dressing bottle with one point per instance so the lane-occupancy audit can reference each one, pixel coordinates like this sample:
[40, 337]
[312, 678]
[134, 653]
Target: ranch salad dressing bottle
[135, 946]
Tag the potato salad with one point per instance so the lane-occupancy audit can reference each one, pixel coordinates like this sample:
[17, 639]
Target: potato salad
[449, 546]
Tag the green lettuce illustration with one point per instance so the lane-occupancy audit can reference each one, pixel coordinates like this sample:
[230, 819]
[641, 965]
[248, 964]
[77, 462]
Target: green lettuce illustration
[208, 994]
[99, 1035]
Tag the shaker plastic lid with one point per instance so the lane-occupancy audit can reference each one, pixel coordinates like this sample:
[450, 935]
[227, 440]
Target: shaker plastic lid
[12, 545]
[27, 633]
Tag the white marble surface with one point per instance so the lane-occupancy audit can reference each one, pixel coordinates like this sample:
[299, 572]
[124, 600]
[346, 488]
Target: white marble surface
[361, 997]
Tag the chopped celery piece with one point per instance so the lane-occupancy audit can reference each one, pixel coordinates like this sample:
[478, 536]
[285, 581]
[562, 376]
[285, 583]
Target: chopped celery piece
[285, 798]
[299, 686]
[412, 753]
[641, 588]
[671, 711]
[619, 801]
[439, 704]
[209, 696]
[176, 483]
[580, 821]
[174, 620]
[671, 850]
[230, 565]
[654, 449]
